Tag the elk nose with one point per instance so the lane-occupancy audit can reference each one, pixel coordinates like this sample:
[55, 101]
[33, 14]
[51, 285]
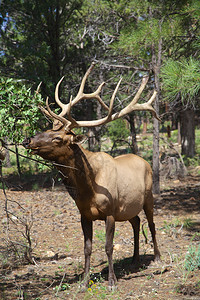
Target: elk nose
[26, 142]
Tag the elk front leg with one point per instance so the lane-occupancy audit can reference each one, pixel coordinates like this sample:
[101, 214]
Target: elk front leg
[110, 230]
[87, 231]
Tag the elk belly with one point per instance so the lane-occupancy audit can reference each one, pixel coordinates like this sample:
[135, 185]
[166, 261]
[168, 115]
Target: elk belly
[131, 171]
[130, 199]
[129, 206]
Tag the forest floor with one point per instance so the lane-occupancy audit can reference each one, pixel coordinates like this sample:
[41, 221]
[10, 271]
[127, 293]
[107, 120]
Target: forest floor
[53, 221]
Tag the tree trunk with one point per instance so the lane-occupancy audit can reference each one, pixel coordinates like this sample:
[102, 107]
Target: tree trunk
[91, 139]
[156, 63]
[7, 158]
[156, 162]
[187, 132]
[179, 133]
[144, 130]
[98, 129]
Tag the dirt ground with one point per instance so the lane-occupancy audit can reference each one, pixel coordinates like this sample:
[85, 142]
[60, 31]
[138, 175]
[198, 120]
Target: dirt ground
[57, 242]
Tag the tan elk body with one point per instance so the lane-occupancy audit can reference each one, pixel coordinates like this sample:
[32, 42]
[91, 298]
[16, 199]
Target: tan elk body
[103, 187]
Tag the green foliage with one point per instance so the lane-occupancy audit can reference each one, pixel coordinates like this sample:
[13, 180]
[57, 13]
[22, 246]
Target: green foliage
[174, 227]
[18, 110]
[180, 79]
[192, 258]
[100, 234]
[36, 36]
[97, 290]
[137, 40]
[147, 22]
[192, 161]
[187, 223]
[118, 130]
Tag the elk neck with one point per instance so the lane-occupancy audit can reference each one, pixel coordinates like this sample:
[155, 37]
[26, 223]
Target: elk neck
[77, 168]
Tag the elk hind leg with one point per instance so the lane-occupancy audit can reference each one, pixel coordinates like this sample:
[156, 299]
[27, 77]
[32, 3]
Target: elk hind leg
[148, 209]
[135, 222]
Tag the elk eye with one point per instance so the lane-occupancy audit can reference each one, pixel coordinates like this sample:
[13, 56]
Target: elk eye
[57, 139]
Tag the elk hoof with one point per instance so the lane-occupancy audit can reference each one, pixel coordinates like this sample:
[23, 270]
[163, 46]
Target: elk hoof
[157, 258]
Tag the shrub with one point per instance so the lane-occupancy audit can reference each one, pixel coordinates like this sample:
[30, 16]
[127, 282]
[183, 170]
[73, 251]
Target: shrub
[118, 130]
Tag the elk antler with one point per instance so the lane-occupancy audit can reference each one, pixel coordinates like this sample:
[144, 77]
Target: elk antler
[69, 122]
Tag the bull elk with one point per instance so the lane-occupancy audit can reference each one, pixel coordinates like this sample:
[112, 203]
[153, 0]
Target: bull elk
[103, 187]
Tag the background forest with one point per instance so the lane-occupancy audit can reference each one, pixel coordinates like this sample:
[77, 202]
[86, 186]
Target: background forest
[41, 244]
[41, 41]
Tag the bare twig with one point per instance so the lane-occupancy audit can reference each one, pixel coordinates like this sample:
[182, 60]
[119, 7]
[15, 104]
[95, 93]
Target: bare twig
[60, 285]
[49, 165]
[47, 288]
[4, 190]
[25, 223]
[5, 145]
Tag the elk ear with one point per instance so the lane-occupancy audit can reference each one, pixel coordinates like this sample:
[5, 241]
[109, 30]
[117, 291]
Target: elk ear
[77, 139]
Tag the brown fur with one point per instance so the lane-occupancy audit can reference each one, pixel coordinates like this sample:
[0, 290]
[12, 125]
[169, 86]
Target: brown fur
[104, 188]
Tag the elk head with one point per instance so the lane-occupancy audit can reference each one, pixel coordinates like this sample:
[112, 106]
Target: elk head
[53, 145]
[55, 142]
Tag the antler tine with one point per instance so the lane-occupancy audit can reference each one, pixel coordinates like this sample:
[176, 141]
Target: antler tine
[140, 90]
[63, 106]
[85, 78]
[112, 99]
[54, 116]
[148, 106]
[81, 94]
[133, 106]
[38, 87]
[102, 121]
[71, 123]
[46, 111]
[94, 95]
[66, 107]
